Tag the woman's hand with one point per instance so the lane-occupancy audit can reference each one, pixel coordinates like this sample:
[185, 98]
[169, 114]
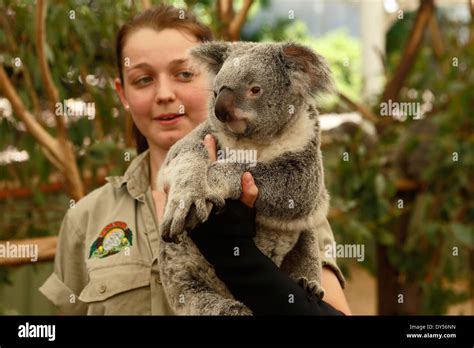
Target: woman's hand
[249, 189]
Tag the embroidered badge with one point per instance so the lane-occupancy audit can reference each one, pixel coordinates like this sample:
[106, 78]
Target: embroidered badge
[115, 237]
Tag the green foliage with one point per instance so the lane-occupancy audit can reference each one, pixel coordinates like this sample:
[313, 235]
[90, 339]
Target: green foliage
[434, 245]
[77, 43]
[80, 40]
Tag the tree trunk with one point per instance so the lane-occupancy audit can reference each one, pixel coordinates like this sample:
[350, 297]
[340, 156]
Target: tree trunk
[395, 296]
[230, 23]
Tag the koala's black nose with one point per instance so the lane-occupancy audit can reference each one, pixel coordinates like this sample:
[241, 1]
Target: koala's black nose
[225, 105]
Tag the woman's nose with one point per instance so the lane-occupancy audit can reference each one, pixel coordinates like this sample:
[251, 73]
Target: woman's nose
[165, 91]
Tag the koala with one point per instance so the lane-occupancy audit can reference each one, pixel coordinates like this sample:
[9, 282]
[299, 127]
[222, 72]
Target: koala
[262, 102]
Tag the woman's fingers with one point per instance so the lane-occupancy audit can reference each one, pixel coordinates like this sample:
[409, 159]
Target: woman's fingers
[249, 190]
[210, 144]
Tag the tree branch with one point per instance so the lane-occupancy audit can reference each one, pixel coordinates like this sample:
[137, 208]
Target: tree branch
[230, 24]
[436, 38]
[366, 113]
[67, 158]
[26, 73]
[392, 89]
[225, 11]
[46, 251]
[470, 4]
[438, 44]
[239, 20]
[48, 82]
[146, 4]
[33, 127]
[46, 188]
[63, 154]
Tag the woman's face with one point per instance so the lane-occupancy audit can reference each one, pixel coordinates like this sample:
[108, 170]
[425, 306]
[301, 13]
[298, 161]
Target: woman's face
[165, 95]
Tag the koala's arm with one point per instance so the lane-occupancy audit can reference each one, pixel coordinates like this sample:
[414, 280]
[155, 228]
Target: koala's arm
[187, 153]
[183, 176]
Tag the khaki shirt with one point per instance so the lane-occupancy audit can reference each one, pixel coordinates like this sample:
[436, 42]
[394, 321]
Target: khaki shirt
[107, 255]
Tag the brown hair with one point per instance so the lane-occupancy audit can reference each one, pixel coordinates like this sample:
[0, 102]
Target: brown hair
[158, 18]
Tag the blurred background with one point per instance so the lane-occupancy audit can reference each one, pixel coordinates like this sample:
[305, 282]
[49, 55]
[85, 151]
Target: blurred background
[398, 135]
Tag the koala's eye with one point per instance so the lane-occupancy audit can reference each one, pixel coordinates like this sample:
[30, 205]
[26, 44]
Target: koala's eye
[215, 94]
[255, 90]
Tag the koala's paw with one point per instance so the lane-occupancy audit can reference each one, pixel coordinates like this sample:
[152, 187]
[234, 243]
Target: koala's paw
[184, 210]
[312, 287]
[233, 308]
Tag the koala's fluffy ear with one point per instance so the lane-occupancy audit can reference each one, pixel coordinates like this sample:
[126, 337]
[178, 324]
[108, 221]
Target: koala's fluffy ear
[309, 66]
[211, 54]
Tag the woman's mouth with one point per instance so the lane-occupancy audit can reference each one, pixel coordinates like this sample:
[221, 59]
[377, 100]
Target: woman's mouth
[168, 119]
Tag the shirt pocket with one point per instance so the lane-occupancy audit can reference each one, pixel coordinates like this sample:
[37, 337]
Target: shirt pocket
[118, 290]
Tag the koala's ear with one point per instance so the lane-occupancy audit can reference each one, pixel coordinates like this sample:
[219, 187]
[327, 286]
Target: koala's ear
[309, 66]
[211, 54]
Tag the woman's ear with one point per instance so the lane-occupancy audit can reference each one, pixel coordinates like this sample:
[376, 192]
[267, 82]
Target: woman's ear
[121, 93]
[211, 54]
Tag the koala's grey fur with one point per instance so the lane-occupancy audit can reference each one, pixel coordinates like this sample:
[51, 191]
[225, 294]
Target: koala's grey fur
[281, 124]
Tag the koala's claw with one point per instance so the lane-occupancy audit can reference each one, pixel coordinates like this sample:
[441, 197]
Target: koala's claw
[217, 201]
[202, 209]
[312, 287]
[173, 220]
[183, 215]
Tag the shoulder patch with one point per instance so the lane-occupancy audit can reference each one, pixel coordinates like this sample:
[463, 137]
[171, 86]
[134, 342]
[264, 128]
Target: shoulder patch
[113, 238]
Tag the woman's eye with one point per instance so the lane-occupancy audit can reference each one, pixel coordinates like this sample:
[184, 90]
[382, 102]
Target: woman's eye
[186, 75]
[143, 80]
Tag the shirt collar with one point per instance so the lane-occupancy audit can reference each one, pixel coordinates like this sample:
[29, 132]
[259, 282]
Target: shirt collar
[136, 177]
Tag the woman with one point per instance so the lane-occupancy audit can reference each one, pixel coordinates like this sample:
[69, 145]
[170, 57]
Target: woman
[106, 260]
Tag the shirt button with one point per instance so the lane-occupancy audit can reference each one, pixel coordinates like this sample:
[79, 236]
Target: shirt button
[102, 288]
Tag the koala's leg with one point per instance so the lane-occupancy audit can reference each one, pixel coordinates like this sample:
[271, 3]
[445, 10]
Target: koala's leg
[194, 297]
[303, 264]
[187, 160]
[190, 283]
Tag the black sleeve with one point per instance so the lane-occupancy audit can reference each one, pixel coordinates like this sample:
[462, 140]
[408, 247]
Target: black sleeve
[226, 241]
